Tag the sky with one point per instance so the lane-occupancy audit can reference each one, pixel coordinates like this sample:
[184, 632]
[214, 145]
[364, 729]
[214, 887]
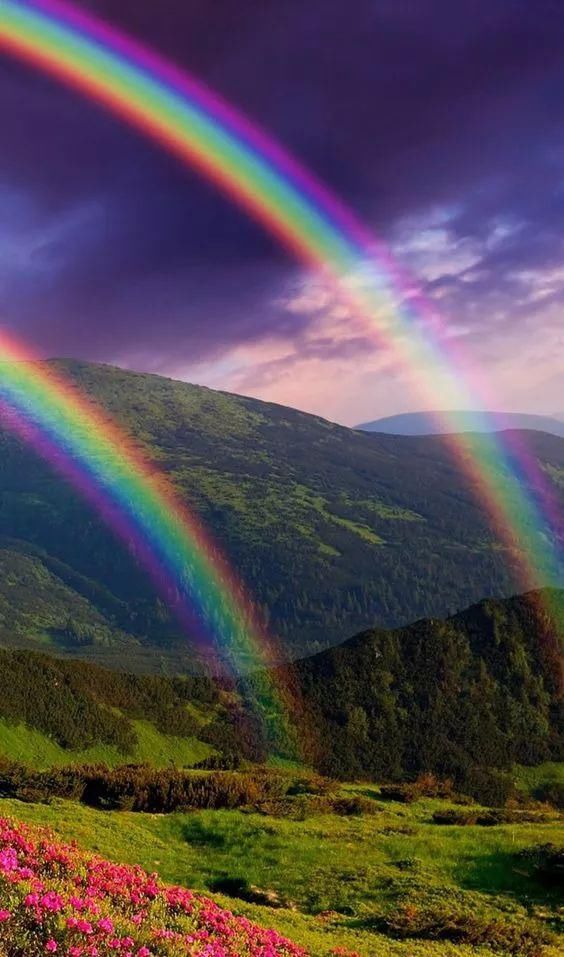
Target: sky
[441, 124]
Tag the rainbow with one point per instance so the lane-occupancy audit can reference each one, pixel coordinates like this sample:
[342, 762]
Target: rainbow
[105, 466]
[137, 502]
[176, 111]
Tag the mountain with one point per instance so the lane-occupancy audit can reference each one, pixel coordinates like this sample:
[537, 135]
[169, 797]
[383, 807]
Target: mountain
[331, 529]
[54, 712]
[482, 689]
[430, 423]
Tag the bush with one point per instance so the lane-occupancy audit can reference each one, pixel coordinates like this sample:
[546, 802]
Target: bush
[488, 786]
[430, 786]
[143, 788]
[404, 793]
[443, 923]
[488, 818]
[353, 806]
[452, 816]
[548, 862]
[551, 793]
[312, 784]
[426, 785]
[219, 762]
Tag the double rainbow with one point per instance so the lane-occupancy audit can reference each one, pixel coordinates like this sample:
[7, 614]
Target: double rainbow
[176, 111]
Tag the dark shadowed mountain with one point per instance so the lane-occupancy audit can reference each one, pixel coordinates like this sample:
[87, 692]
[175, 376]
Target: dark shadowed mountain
[430, 423]
[331, 529]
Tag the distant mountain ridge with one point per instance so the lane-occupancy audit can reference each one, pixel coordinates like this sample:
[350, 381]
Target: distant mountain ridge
[432, 423]
[331, 530]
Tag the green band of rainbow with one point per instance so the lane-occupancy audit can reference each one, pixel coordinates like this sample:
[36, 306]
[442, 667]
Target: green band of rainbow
[205, 133]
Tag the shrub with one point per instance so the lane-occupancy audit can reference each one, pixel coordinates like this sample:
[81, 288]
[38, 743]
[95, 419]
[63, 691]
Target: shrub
[353, 806]
[453, 816]
[143, 788]
[312, 784]
[404, 793]
[488, 786]
[219, 762]
[429, 785]
[548, 862]
[459, 926]
[551, 793]
[488, 818]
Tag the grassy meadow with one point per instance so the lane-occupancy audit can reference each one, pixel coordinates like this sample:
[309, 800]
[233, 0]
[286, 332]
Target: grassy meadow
[390, 882]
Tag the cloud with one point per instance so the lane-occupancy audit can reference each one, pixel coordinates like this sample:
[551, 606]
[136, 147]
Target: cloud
[435, 252]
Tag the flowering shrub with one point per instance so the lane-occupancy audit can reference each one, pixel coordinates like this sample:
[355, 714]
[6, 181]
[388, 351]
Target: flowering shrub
[54, 899]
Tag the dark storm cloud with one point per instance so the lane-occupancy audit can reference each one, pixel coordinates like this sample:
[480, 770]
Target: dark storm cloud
[110, 249]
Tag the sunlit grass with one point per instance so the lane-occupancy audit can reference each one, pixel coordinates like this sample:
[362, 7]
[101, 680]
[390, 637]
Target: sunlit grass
[29, 746]
[350, 867]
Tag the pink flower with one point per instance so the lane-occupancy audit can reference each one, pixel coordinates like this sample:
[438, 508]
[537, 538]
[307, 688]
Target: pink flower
[45, 878]
[52, 901]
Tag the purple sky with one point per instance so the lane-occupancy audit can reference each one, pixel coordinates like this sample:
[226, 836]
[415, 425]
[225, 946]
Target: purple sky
[440, 123]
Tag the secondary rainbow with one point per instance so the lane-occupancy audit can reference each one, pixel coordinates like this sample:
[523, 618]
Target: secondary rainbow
[184, 117]
[100, 460]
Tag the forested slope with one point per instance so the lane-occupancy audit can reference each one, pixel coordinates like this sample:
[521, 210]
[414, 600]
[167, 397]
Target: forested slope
[332, 530]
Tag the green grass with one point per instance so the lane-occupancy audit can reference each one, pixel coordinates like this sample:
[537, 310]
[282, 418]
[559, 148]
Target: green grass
[333, 874]
[28, 746]
[303, 497]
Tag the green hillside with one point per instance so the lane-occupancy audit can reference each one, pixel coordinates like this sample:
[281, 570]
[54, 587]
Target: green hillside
[55, 712]
[458, 697]
[482, 689]
[28, 746]
[37, 605]
[331, 529]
